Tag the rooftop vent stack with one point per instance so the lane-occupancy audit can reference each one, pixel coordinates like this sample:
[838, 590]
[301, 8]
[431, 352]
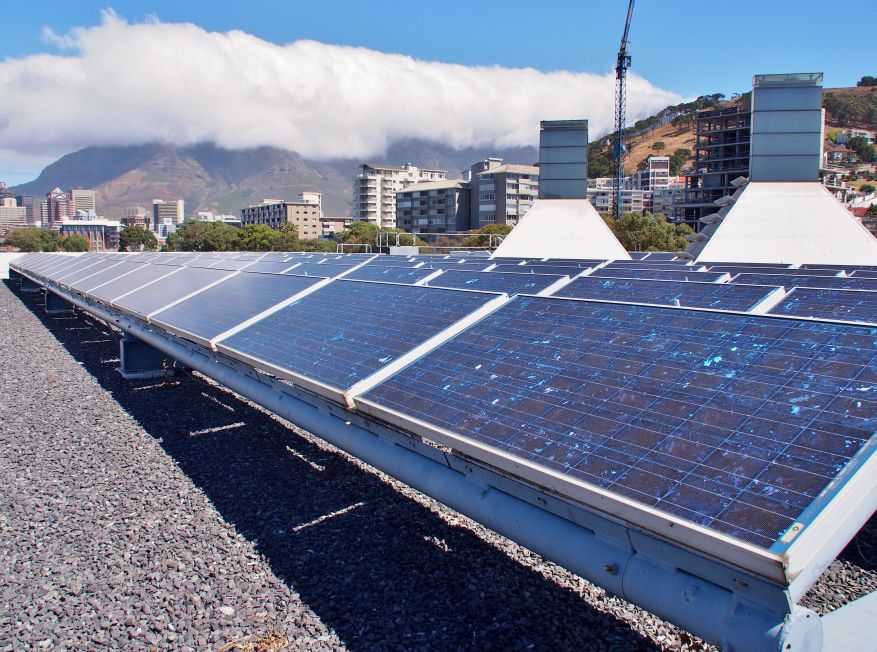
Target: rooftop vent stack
[787, 127]
[563, 159]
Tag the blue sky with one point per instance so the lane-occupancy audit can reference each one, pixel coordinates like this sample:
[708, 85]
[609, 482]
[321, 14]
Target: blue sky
[675, 43]
[334, 79]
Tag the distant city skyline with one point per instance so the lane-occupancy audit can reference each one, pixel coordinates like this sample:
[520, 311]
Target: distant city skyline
[327, 79]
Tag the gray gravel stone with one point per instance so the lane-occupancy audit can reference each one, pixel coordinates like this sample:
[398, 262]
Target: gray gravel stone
[137, 515]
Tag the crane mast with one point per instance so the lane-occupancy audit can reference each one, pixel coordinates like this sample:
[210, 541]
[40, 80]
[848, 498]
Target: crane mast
[621, 67]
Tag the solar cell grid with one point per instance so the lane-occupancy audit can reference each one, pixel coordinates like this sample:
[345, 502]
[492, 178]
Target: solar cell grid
[717, 296]
[669, 275]
[106, 275]
[818, 303]
[232, 302]
[507, 282]
[733, 270]
[391, 274]
[862, 273]
[638, 255]
[85, 273]
[323, 270]
[661, 255]
[349, 329]
[139, 277]
[564, 270]
[150, 298]
[734, 422]
[270, 266]
[796, 280]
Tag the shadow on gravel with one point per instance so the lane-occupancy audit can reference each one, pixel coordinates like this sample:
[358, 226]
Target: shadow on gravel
[380, 569]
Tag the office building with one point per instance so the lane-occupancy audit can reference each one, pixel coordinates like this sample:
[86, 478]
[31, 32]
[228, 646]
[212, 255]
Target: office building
[433, 207]
[304, 214]
[501, 193]
[12, 216]
[102, 234]
[82, 200]
[55, 208]
[210, 216]
[167, 209]
[563, 159]
[137, 216]
[375, 188]
[26, 201]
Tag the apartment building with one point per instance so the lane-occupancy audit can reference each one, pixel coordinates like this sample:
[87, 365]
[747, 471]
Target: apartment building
[167, 209]
[102, 235]
[501, 193]
[375, 188]
[305, 214]
[433, 207]
[601, 194]
[655, 174]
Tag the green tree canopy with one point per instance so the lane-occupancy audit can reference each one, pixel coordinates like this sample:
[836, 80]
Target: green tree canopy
[136, 238]
[649, 232]
[872, 210]
[259, 237]
[34, 239]
[481, 237]
[75, 242]
[659, 146]
[866, 188]
[867, 80]
[203, 236]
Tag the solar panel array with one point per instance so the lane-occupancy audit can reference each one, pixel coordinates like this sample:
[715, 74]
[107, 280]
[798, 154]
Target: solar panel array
[729, 420]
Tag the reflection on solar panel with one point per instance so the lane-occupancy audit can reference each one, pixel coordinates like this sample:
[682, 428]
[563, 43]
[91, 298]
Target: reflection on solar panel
[106, 274]
[323, 270]
[144, 274]
[157, 295]
[740, 269]
[507, 282]
[798, 280]
[718, 296]
[232, 302]
[390, 274]
[705, 277]
[818, 303]
[349, 329]
[735, 422]
[564, 270]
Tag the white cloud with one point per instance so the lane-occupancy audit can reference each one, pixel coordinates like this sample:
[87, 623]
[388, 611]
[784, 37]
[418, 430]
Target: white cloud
[122, 83]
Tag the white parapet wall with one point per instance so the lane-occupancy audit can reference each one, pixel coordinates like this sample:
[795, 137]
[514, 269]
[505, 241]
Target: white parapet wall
[5, 259]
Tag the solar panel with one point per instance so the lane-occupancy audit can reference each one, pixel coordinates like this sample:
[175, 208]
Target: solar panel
[349, 329]
[145, 273]
[507, 282]
[668, 267]
[800, 280]
[668, 275]
[745, 269]
[270, 266]
[819, 303]
[718, 296]
[637, 255]
[156, 295]
[661, 255]
[733, 422]
[105, 275]
[565, 270]
[232, 302]
[323, 270]
[391, 274]
[861, 273]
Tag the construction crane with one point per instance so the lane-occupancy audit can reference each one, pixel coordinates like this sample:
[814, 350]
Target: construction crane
[620, 108]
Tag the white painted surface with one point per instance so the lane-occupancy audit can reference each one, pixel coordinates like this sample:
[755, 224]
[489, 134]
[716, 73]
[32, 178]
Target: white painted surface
[5, 259]
[790, 222]
[562, 228]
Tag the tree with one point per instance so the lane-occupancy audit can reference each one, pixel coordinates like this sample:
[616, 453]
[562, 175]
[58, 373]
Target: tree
[258, 237]
[872, 211]
[481, 237]
[659, 146]
[678, 160]
[649, 232]
[864, 150]
[866, 188]
[34, 239]
[203, 236]
[136, 238]
[75, 242]
[867, 80]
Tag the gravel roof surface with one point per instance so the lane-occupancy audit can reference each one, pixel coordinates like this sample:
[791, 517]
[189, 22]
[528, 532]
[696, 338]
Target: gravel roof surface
[139, 516]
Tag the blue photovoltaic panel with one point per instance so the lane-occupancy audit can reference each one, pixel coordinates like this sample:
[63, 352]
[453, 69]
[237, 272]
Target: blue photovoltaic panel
[146, 273]
[837, 268]
[85, 273]
[860, 273]
[718, 296]
[108, 273]
[323, 270]
[390, 274]
[661, 255]
[157, 295]
[819, 303]
[796, 280]
[507, 282]
[668, 275]
[733, 270]
[572, 262]
[564, 270]
[392, 261]
[664, 267]
[270, 266]
[735, 422]
[62, 272]
[638, 255]
[347, 330]
[232, 302]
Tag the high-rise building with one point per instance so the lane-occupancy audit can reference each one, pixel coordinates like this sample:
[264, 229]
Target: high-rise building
[26, 201]
[167, 209]
[375, 188]
[12, 216]
[82, 200]
[433, 207]
[57, 207]
[501, 194]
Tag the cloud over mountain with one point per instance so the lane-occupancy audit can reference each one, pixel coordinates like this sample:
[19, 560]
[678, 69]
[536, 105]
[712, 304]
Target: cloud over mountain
[121, 83]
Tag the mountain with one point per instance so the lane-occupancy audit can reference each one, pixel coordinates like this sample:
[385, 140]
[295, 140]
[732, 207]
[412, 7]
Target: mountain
[212, 178]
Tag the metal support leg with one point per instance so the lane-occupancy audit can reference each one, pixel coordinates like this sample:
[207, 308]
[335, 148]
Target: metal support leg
[140, 360]
[56, 305]
[28, 285]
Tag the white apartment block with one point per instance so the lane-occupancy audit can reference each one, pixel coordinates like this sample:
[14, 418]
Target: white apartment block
[656, 174]
[375, 188]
